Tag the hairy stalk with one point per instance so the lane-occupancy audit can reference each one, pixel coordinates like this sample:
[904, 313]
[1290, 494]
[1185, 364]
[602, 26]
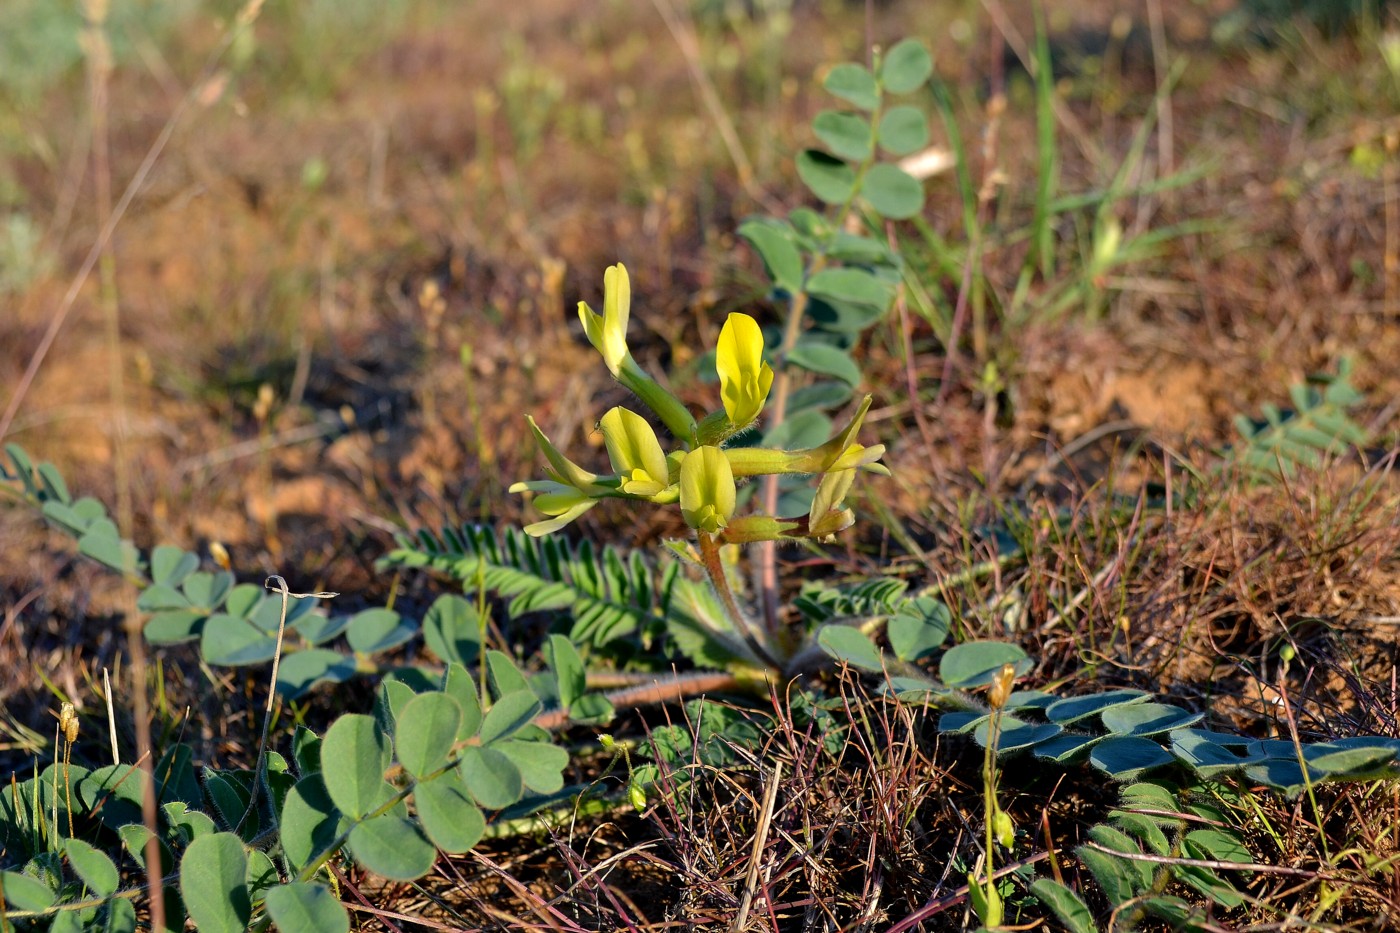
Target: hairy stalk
[654, 690]
[714, 569]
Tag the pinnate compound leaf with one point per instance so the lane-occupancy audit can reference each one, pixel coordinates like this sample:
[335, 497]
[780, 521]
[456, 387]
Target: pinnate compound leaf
[310, 821]
[427, 728]
[392, 847]
[892, 191]
[509, 715]
[853, 83]
[213, 884]
[1067, 906]
[93, 866]
[492, 778]
[541, 764]
[850, 645]
[845, 134]
[905, 66]
[361, 755]
[774, 243]
[826, 360]
[975, 663]
[449, 817]
[829, 178]
[903, 130]
[303, 905]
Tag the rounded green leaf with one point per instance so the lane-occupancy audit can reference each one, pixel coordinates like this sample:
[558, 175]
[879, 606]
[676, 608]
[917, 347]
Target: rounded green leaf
[305, 906]
[509, 715]
[903, 130]
[213, 884]
[1015, 734]
[25, 892]
[174, 626]
[207, 590]
[845, 134]
[1334, 759]
[261, 874]
[919, 627]
[310, 821]
[851, 285]
[905, 66]
[361, 756]
[452, 629]
[427, 727]
[503, 674]
[829, 178]
[541, 764]
[491, 777]
[825, 360]
[93, 866]
[375, 630]
[230, 641]
[319, 628]
[1072, 709]
[775, 246]
[850, 645]
[975, 663]
[171, 565]
[449, 817]
[159, 596]
[459, 684]
[1126, 758]
[1147, 719]
[563, 658]
[853, 83]
[892, 192]
[823, 394]
[300, 671]
[243, 599]
[392, 847]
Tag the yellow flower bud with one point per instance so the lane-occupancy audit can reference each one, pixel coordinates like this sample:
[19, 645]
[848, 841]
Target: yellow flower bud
[635, 453]
[608, 331]
[744, 378]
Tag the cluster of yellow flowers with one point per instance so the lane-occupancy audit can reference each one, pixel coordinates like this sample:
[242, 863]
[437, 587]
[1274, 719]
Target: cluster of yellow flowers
[701, 473]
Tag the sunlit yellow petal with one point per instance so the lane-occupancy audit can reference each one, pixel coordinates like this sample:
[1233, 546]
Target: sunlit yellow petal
[744, 377]
[561, 467]
[707, 489]
[635, 452]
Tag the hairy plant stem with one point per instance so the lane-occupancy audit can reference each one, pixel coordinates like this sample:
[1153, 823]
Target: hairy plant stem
[714, 569]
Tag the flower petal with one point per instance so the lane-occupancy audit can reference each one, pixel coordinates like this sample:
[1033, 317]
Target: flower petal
[635, 452]
[707, 489]
[744, 377]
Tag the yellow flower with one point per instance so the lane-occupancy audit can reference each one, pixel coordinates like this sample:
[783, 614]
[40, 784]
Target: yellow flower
[635, 453]
[826, 516]
[707, 489]
[561, 469]
[608, 331]
[744, 378]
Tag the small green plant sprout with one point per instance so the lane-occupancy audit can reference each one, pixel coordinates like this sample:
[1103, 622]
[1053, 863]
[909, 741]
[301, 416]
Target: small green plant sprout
[702, 473]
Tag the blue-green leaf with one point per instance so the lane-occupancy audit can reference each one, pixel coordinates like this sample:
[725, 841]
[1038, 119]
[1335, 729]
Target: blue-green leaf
[310, 821]
[356, 782]
[905, 66]
[230, 641]
[845, 134]
[449, 818]
[975, 663]
[541, 764]
[852, 285]
[375, 630]
[850, 645]
[171, 565]
[892, 192]
[826, 360]
[853, 83]
[903, 130]
[452, 630]
[303, 905]
[393, 847]
[774, 243]
[829, 178]
[213, 884]
[563, 658]
[425, 732]
[511, 713]
[300, 671]
[491, 777]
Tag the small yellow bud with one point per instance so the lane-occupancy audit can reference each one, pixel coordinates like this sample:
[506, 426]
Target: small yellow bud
[1001, 686]
[68, 722]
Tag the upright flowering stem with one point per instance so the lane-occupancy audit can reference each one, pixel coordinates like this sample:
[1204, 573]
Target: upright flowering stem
[714, 569]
